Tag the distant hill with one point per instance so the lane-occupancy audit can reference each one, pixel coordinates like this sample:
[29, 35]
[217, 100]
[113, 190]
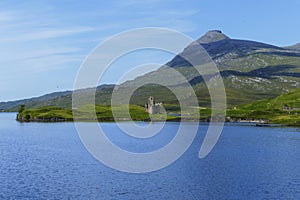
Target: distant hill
[56, 99]
[251, 71]
[42, 100]
[294, 47]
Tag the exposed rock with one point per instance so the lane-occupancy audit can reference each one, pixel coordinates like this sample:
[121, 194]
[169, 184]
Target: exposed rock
[212, 36]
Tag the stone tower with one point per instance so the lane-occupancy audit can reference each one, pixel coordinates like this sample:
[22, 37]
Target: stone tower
[151, 101]
[151, 107]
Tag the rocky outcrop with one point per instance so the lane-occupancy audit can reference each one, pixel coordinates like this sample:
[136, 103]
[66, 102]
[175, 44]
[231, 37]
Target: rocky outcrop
[28, 118]
[212, 36]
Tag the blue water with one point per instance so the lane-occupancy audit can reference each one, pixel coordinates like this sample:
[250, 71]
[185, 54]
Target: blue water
[48, 161]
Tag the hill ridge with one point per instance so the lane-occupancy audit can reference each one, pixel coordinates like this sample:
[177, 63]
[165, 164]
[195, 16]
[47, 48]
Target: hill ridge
[254, 69]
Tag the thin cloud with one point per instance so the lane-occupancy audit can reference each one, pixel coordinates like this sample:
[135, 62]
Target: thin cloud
[6, 16]
[54, 33]
[39, 53]
[46, 34]
[50, 63]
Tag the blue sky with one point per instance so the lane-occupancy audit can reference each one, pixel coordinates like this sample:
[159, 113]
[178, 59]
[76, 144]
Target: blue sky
[43, 43]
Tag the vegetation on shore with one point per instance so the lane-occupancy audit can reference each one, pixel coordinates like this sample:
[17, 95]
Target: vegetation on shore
[85, 113]
[284, 109]
[44, 114]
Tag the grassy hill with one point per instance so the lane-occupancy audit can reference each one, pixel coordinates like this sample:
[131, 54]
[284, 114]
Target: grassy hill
[284, 109]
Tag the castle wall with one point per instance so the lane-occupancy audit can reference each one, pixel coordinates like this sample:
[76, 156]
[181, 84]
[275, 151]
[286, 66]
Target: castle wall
[152, 107]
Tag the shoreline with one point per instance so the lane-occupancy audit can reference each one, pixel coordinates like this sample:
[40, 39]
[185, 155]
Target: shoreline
[246, 122]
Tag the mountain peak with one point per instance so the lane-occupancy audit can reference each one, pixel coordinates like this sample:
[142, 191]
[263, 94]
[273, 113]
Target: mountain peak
[212, 36]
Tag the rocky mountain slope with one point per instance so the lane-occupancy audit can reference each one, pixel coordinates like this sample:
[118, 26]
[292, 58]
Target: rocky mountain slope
[250, 70]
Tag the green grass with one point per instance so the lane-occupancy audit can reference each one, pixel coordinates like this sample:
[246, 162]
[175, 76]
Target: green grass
[271, 110]
[268, 109]
[46, 114]
[101, 113]
[87, 112]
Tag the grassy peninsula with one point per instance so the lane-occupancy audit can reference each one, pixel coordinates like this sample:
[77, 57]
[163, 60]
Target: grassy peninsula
[85, 113]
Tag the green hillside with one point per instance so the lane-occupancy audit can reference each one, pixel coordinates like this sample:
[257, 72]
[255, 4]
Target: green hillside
[284, 109]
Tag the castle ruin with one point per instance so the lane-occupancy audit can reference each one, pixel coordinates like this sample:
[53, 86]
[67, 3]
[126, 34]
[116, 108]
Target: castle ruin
[151, 107]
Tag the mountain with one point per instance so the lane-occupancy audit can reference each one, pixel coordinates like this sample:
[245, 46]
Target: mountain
[251, 71]
[294, 47]
[255, 70]
[212, 36]
[57, 99]
[31, 102]
[222, 49]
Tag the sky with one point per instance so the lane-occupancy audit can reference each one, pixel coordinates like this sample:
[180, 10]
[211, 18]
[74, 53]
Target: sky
[44, 43]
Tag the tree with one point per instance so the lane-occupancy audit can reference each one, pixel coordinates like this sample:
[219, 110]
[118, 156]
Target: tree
[21, 108]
